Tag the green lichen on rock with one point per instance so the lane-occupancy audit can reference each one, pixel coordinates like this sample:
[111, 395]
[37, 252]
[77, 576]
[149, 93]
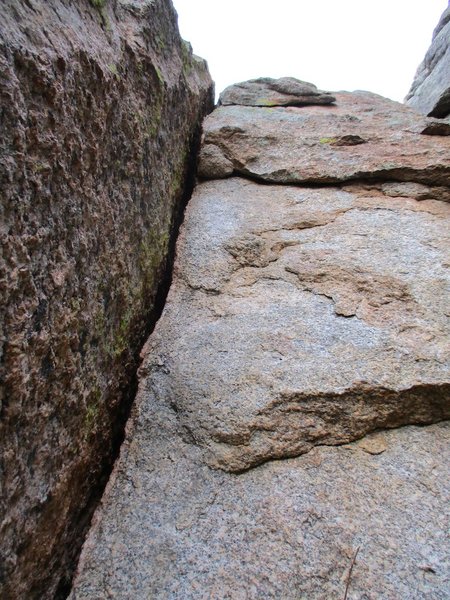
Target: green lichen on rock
[160, 43]
[121, 338]
[159, 75]
[152, 249]
[101, 6]
[186, 54]
[114, 70]
[92, 412]
[156, 117]
[155, 114]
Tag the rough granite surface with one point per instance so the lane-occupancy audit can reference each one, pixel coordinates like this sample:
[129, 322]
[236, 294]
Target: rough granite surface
[300, 316]
[430, 90]
[100, 107]
[300, 320]
[362, 136]
[265, 91]
[171, 528]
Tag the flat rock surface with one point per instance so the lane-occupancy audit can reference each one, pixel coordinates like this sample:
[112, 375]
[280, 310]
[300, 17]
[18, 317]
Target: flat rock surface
[430, 91]
[303, 316]
[362, 136]
[296, 317]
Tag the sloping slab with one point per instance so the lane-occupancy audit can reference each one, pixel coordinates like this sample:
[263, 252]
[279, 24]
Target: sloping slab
[172, 529]
[362, 136]
[300, 317]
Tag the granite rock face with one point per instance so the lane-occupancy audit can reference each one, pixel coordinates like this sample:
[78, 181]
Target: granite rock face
[362, 136]
[304, 326]
[288, 529]
[100, 108]
[302, 316]
[265, 91]
[430, 90]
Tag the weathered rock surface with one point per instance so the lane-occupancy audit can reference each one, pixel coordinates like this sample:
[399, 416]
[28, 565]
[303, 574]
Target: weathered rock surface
[173, 529]
[302, 316]
[362, 136]
[299, 318]
[100, 105]
[213, 163]
[265, 91]
[430, 90]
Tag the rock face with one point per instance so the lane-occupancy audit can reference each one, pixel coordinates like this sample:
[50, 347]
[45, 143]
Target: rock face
[265, 91]
[100, 108]
[430, 91]
[289, 529]
[303, 316]
[362, 136]
[300, 318]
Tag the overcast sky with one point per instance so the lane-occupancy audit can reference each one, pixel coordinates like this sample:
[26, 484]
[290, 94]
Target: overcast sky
[371, 45]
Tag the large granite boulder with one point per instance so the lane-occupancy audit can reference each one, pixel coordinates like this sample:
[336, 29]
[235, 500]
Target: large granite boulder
[303, 323]
[430, 90]
[101, 104]
[302, 316]
[265, 91]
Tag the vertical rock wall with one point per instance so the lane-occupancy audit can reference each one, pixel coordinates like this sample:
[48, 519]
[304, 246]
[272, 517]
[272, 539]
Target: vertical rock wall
[430, 90]
[100, 104]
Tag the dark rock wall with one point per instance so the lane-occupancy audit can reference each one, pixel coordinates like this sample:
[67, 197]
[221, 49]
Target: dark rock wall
[100, 103]
[430, 90]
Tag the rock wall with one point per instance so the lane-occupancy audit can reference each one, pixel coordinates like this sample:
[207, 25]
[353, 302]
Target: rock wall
[100, 106]
[303, 322]
[430, 90]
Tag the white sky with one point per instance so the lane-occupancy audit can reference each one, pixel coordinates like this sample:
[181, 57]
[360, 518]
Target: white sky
[373, 45]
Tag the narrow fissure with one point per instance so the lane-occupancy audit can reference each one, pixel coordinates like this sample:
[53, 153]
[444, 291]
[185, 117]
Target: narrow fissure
[130, 391]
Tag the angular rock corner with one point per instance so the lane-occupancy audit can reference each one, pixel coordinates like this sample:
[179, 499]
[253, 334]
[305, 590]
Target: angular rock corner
[430, 90]
[276, 447]
[101, 110]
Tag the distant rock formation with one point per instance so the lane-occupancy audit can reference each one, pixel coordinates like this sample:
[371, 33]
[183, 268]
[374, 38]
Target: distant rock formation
[300, 318]
[101, 103]
[265, 91]
[430, 91]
